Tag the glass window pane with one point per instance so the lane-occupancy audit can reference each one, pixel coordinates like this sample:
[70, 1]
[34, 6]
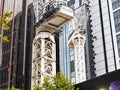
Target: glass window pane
[118, 44]
[72, 66]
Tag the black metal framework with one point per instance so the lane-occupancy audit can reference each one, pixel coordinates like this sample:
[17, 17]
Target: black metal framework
[103, 37]
[90, 52]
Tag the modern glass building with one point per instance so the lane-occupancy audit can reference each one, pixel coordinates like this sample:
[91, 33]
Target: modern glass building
[102, 44]
[105, 28]
[115, 14]
[23, 33]
[102, 50]
[102, 40]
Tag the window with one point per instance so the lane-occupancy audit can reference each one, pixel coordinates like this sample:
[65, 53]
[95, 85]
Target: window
[43, 1]
[73, 80]
[71, 2]
[72, 66]
[115, 4]
[71, 52]
[118, 44]
[80, 2]
[117, 20]
[72, 57]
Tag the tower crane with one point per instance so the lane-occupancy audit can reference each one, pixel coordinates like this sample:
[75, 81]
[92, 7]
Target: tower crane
[50, 17]
[77, 40]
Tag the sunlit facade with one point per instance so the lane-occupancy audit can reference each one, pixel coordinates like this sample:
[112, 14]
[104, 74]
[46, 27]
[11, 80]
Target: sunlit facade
[102, 40]
[105, 40]
[101, 49]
